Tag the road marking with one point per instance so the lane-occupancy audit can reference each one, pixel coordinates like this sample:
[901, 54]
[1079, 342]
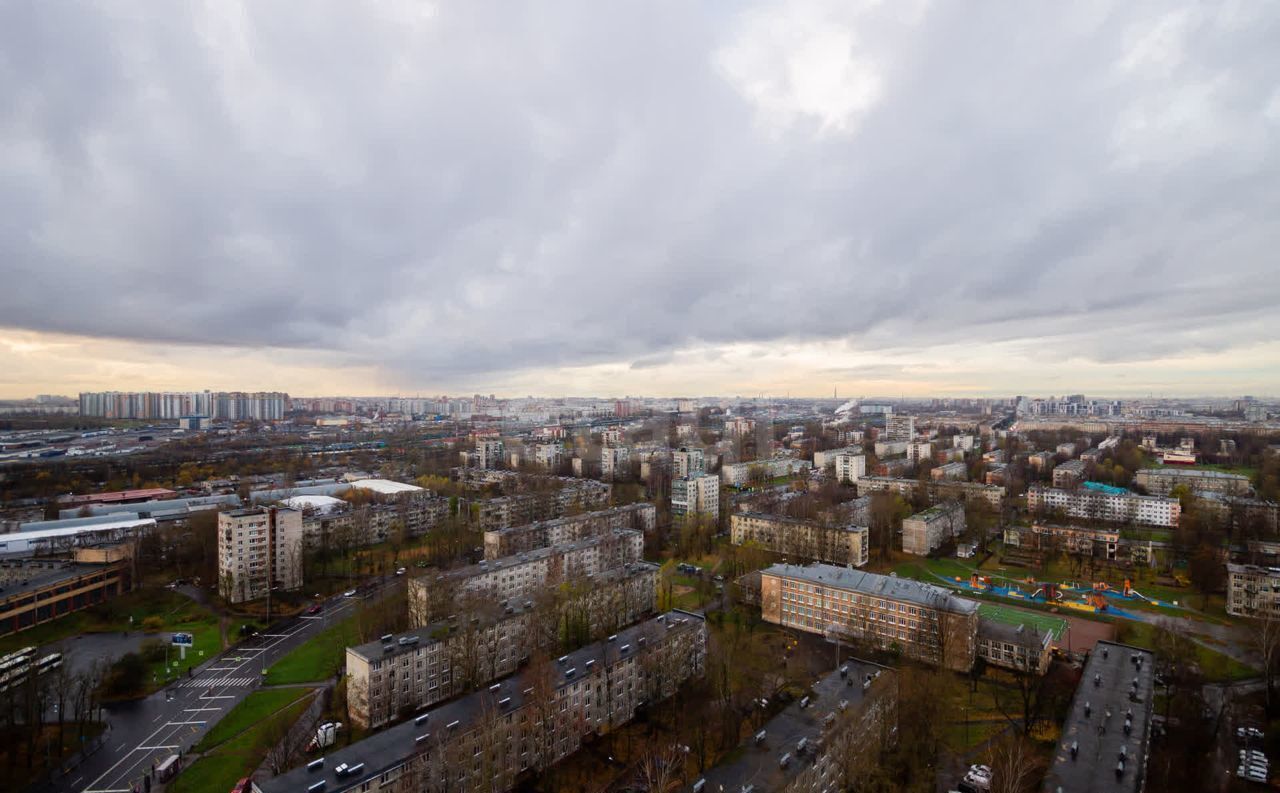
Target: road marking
[198, 710]
[77, 781]
[177, 724]
[153, 748]
[224, 696]
[276, 635]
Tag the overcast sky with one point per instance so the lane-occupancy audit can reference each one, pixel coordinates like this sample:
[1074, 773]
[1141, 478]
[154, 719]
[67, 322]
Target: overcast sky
[643, 198]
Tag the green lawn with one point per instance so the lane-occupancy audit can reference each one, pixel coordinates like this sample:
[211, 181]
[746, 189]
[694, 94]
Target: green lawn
[253, 709]
[1214, 665]
[172, 608]
[208, 643]
[237, 757]
[1012, 616]
[319, 658]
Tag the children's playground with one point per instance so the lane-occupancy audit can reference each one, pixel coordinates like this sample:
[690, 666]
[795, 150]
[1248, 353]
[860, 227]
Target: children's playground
[1089, 597]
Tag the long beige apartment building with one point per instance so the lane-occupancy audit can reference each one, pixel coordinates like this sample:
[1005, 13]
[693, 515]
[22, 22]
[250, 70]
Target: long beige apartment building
[519, 539]
[501, 736]
[521, 575]
[400, 674]
[801, 539]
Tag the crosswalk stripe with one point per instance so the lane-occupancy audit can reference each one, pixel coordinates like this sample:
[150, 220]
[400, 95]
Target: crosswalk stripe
[211, 682]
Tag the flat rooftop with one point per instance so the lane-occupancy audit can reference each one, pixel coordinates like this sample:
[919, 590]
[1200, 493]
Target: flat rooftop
[758, 765]
[1095, 725]
[890, 587]
[387, 749]
[72, 571]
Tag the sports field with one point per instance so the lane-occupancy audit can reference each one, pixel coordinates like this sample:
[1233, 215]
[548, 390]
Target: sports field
[1011, 616]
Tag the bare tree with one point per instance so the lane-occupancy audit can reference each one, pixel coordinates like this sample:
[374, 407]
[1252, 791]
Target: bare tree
[1014, 765]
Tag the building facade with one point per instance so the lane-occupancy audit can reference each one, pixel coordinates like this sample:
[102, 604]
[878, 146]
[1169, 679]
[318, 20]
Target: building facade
[259, 549]
[687, 462]
[615, 462]
[850, 467]
[495, 738]
[801, 539]
[925, 532]
[34, 591]
[519, 576]
[1123, 507]
[512, 540]
[1162, 481]
[739, 474]
[1253, 591]
[921, 621]
[1021, 648]
[695, 495]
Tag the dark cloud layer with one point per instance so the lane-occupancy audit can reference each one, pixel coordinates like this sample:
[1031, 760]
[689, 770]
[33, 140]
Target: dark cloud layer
[480, 187]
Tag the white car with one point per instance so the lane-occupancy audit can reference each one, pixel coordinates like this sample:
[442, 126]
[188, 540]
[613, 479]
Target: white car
[350, 593]
[402, 571]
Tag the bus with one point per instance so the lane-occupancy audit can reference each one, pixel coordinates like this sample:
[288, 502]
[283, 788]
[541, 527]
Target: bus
[15, 659]
[49, 663]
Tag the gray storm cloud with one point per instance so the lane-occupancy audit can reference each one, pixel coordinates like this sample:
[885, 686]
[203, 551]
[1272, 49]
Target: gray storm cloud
[482, 187]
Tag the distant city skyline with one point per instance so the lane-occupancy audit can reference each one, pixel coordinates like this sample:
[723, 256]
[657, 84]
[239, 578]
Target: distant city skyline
[896, 198]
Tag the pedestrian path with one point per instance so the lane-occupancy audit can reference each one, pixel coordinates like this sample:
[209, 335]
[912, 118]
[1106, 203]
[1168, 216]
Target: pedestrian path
[210, 682]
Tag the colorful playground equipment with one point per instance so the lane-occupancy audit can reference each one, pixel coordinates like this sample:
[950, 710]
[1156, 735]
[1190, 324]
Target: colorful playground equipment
[1091, 597]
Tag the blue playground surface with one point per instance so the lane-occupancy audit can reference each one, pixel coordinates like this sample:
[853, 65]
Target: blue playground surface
[1070, 595]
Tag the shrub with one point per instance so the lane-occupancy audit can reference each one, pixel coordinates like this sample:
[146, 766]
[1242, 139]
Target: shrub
[152, 650]
[126, 676]
[152, 624]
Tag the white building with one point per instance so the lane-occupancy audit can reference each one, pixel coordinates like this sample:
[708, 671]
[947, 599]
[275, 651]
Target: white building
[890, 448]
[615, 462]
[899, 428]
[964, 442]
[695, 495]
[548, 456]
[739, 474]
[850, 467]
[1122, 507]
[688, 462]
[827, 459]
[489, 453]
[259, 549]
[919, 450]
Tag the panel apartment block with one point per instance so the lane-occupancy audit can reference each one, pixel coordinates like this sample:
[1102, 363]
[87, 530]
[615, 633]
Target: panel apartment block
[519, 576]
[801, 539]
[496, 738]
[518, 539]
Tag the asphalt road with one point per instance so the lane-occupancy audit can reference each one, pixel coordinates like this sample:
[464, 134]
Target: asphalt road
[144, 732]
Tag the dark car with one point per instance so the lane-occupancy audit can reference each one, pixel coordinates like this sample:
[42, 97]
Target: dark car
[314, 609]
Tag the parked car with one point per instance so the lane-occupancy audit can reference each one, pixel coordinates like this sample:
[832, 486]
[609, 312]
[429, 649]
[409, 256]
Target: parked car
[350, 593]
[314, 609]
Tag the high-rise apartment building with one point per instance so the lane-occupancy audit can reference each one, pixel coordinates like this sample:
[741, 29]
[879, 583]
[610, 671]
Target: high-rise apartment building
[259, 549]
[615, 462]
[688, 462]
[490, 453]
[698, 494]
[850, 467]
[898, 427]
